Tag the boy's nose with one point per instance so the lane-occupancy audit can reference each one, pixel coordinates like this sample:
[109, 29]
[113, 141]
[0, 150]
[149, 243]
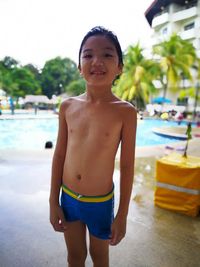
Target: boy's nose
[98, 61]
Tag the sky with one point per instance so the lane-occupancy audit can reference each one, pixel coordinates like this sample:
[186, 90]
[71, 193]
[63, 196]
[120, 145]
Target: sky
[34, 31]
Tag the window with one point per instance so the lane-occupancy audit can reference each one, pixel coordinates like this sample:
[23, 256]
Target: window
[189, 26]
[164, 31]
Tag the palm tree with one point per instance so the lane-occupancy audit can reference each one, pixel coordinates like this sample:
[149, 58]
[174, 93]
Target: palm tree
[135, 83]
[176, 57]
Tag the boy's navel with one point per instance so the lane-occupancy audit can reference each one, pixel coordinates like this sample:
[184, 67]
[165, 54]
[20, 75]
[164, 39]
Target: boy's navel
[78, 176]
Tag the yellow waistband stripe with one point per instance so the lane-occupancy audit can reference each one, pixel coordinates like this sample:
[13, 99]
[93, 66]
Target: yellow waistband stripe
[84, 198]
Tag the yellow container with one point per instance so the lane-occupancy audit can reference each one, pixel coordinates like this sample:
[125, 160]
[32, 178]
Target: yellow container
[178, 184]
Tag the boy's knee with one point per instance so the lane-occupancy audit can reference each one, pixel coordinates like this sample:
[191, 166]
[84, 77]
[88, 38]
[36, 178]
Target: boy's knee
[77, 259]
[99, 257]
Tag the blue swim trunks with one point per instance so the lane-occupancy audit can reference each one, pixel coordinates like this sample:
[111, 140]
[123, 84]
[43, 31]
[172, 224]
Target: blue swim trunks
[97, 212]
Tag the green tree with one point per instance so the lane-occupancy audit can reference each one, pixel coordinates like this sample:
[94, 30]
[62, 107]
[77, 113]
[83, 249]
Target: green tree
[136, 82]
[34, 70]
[24, 82]
[6, 67]
[176, 57]
[10, 63]
[17, 80]
[76, 87]
[57, 74]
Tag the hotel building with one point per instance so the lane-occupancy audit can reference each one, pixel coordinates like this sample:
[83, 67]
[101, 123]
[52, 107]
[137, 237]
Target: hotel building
[179, 16]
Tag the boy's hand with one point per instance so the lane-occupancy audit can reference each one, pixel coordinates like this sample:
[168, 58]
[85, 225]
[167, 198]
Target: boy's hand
[118, 230]
[57, 218]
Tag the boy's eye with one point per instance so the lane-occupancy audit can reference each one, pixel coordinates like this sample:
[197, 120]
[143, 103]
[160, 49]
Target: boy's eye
[87, 56]
[108, 55]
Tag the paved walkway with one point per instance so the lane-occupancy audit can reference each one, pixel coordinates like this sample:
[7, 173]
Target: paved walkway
[155, 237]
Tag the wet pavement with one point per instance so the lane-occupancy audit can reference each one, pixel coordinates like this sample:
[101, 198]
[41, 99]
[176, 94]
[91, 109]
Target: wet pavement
[155, 237]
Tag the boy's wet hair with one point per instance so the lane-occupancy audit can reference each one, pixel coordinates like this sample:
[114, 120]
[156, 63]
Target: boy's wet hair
[99, 30]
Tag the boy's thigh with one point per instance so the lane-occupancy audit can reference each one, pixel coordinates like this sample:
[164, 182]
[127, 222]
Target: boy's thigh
[75, 237]
[99, 250]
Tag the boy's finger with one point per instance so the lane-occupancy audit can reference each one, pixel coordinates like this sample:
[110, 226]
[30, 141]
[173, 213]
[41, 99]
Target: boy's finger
[58, 227]
[62, 219]
[63, 223]
[113, 238]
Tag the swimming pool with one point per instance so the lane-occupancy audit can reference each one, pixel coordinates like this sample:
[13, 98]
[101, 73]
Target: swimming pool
[27, 134]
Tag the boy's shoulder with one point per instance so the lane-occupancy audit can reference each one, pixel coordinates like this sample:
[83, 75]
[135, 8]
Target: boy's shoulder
[125, 106]
[70, 100]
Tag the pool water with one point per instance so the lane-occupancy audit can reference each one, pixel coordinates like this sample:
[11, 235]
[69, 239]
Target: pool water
[27, 134]
[146, 137]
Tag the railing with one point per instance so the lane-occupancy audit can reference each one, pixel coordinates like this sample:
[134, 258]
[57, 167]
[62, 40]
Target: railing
[159, 20]
[184, 14]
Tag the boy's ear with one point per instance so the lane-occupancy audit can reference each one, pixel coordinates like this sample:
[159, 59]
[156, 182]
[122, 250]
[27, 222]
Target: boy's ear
[79, 68]
[120, 69]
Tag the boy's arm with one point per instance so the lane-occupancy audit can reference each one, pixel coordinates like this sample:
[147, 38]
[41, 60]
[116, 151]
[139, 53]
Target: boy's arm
[127, 159]
[56, 214]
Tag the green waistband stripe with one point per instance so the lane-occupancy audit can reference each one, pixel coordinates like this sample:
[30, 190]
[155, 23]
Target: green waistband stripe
[88, 198]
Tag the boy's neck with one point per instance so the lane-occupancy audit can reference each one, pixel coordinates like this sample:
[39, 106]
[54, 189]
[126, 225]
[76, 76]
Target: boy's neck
[99, 95]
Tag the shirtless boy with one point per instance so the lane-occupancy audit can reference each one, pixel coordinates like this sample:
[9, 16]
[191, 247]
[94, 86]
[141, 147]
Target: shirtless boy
[91, 127]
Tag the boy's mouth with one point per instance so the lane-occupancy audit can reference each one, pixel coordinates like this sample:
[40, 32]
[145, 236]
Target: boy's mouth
[97, 72]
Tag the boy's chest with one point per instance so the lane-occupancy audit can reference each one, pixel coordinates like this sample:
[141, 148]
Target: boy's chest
[94, 122]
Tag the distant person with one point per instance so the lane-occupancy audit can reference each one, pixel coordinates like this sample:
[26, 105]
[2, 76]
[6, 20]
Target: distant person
[12, 106]
[91, 127]
[35, 108]
[179, 117]
[173, 113]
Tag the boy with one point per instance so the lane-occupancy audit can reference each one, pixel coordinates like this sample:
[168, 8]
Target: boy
[91, 127]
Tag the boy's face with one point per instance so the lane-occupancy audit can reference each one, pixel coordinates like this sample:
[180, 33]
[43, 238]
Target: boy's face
[99, 61]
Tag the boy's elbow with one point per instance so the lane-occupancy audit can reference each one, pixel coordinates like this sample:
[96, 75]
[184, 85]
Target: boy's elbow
[126, 167]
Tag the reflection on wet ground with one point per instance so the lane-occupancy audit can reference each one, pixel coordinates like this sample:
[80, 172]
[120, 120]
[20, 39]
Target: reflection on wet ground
[155, 237]
[168, 238]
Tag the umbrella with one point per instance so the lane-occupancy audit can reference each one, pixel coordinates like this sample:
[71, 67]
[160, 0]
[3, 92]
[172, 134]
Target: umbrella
[161, 100]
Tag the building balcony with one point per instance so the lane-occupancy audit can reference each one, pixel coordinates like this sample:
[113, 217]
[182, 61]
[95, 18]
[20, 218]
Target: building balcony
[189, 34]
[184, 14]
[159, 20]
